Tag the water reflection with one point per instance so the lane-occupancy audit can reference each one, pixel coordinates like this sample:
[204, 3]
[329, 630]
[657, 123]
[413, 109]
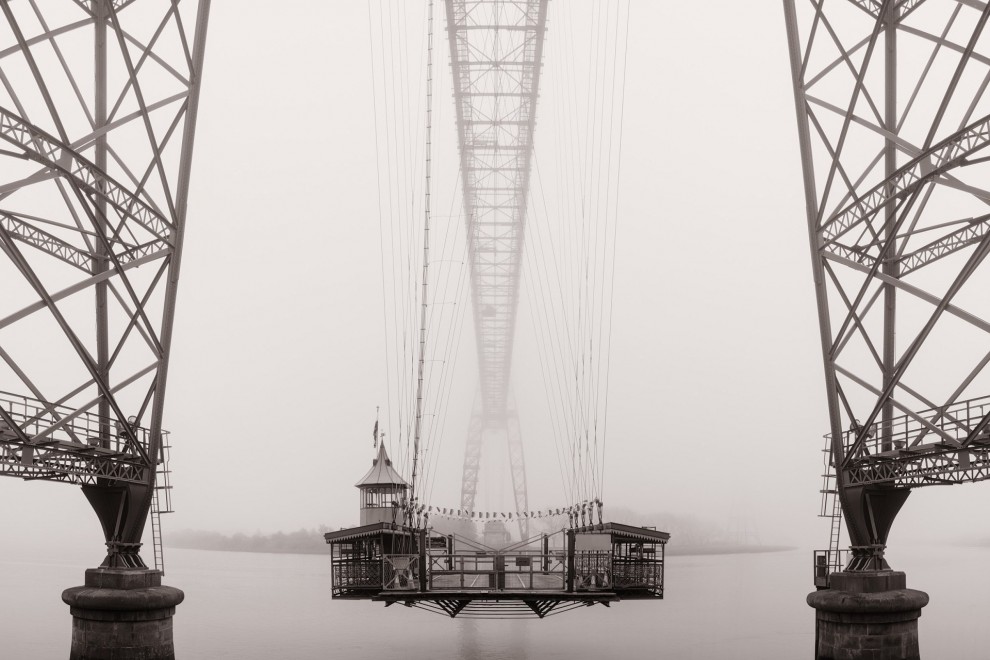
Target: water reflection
[259, 606]
[480, 640]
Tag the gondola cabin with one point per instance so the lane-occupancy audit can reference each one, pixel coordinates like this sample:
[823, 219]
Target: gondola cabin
[393, 558]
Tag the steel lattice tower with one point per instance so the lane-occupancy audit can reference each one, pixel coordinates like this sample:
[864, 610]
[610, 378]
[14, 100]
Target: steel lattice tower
[893, 118]
[496, 50]
[98, 105]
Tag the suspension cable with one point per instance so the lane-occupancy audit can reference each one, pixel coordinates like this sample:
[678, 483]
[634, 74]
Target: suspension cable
[426, 253]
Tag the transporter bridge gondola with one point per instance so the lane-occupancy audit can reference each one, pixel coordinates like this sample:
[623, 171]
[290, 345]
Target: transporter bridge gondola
[385, 559]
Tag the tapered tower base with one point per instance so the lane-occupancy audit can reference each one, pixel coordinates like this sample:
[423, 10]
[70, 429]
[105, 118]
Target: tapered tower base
[867, 616]
[122, 615]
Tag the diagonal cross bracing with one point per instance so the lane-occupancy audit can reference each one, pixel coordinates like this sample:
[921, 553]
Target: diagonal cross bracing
[907, 180]
[49, 152]
[496, 51]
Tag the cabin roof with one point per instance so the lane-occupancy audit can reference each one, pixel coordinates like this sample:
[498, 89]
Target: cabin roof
[347, 534]
[382, 473]
[622, 532]
[351, 533]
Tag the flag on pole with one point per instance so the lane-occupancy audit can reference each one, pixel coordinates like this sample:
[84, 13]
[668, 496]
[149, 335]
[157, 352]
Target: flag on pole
[374, 435]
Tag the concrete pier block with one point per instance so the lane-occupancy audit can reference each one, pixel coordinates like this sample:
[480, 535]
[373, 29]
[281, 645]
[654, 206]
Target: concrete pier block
[122, 615]
[867, 616]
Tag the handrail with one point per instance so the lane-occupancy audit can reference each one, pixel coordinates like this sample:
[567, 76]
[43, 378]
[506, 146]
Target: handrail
[497, 571]
[906, 431]
[55, 423]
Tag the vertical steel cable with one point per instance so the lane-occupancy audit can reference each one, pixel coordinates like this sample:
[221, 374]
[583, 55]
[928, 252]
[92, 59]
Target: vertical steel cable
[426, 252]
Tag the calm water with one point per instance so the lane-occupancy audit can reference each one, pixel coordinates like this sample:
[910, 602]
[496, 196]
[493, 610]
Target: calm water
[256, 606]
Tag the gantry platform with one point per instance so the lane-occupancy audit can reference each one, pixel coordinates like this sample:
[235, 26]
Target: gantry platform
[940, 446]
[543, 575]
[40, 440]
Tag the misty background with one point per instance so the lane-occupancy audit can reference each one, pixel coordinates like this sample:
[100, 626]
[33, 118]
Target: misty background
[716, 409]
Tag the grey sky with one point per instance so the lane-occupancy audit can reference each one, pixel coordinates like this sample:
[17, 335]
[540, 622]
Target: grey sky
[717, 407]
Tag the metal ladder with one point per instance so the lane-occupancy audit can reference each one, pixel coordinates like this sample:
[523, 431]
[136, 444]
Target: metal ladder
[831, 507]
[161, 502]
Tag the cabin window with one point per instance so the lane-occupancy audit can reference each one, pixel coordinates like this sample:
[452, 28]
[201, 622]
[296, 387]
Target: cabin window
[380, 497]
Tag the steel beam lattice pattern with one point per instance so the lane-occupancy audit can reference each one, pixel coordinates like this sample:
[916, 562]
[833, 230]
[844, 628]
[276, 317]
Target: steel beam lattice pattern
[496, 51]
[893, 120]
[98, 105]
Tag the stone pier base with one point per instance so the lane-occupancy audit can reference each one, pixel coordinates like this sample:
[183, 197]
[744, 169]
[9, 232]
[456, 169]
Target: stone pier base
[867, 616]
[122, 615]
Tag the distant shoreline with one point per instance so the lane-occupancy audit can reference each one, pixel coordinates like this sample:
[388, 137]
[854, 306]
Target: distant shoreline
[311, 543]
[674, 550]
[321, 551]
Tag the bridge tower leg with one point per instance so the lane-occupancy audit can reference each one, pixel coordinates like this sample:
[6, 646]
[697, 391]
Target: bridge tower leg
[505, 425]
[517, 465]
[96, 184]
[866, 611]
[472, 460]
[869, 512]
[867, 607]
[122, 610]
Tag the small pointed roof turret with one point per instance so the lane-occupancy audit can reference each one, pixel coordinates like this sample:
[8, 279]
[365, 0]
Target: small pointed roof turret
[382, 473]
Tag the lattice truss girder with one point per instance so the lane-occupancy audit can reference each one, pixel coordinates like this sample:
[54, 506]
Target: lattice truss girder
[940, 466]
[495, 52]
[97, 107]
[895, 117]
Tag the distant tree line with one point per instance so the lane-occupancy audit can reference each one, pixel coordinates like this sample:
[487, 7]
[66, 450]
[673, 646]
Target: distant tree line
[303, 541]
[689, 535]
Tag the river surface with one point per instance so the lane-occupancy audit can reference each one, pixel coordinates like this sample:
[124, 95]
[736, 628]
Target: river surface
[263, 606]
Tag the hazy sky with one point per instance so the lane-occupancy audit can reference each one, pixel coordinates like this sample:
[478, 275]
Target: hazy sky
[717, 403]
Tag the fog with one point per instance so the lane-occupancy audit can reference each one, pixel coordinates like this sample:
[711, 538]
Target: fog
[716, 397]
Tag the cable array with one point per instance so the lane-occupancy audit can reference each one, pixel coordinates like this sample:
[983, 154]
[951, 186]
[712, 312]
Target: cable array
[568, 266]
[424, 293]
[573, 222]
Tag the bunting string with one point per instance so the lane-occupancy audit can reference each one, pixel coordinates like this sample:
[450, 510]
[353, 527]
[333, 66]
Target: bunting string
[578, 515]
